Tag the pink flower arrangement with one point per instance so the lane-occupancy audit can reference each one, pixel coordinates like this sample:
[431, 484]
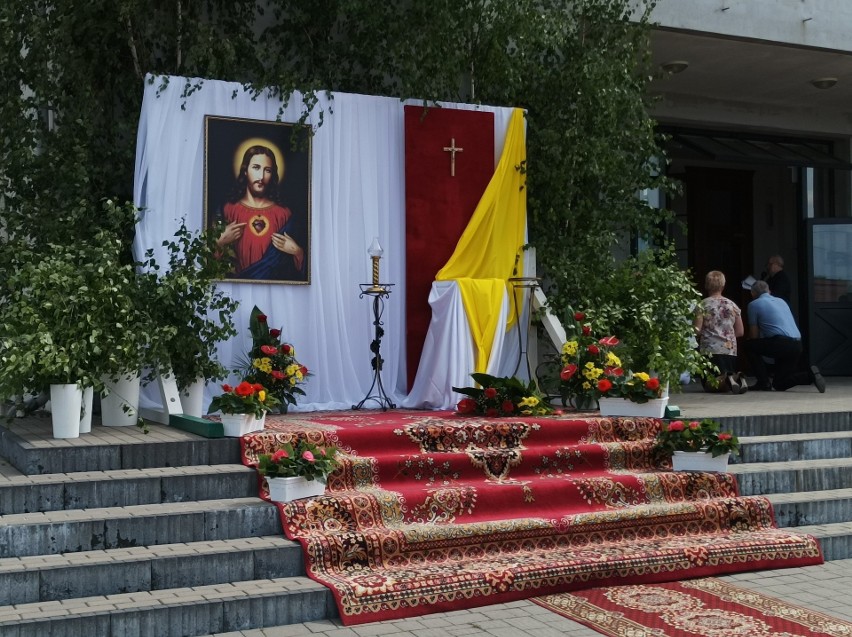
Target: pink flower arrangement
[302, 458]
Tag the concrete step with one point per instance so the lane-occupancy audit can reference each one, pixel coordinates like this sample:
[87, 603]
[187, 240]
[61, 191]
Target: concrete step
[812, 507]
[760, 478]
[798, 446]
[125, 487]
[783, 424]
[53, 532]
[29, 446]
[45, 578]
[835, 539]
[174, 612]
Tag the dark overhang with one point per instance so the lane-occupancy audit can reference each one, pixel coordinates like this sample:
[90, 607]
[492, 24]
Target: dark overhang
[742, 148]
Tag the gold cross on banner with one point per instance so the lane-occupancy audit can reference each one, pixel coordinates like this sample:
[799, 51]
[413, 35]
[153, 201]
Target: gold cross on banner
[452, 149]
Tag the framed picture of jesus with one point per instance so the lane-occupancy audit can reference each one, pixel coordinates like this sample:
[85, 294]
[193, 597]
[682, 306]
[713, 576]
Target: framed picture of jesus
[257, 196]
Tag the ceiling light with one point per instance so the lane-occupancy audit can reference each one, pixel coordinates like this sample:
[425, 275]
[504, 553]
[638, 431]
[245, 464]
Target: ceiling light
[675, 66]
[824, 82]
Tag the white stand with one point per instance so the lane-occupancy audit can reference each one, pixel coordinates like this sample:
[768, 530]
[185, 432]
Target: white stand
[169, 399]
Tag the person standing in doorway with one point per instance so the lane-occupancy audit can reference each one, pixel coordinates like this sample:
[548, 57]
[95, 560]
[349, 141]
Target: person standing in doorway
[777, 279]
[773, 333]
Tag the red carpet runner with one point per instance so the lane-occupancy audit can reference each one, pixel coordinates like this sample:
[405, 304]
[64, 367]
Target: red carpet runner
[695, 608]
[434, 512]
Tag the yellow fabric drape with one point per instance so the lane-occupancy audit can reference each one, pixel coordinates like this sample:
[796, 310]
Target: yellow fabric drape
[484, 258]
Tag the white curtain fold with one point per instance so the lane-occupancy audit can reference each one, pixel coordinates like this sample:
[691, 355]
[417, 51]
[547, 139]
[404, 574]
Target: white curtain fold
[358, 192]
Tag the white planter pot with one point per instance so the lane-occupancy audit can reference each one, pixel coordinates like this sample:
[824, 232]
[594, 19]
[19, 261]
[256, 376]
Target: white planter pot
[65, 403]
[236, 425]
[86, 414]
[192, 398]
[654, 408]
[286, 489]
[699, 461]
[120, 407]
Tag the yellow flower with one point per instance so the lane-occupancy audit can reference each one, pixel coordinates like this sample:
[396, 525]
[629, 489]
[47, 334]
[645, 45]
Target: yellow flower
[263, 364]
[612, 360]
[641, 376]
[261, 395]
[569, 348]
[528, 401]
[587, 384]
[591, 372]
[292, 370]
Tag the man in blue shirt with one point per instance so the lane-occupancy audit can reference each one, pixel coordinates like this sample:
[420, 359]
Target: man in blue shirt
[773, 333]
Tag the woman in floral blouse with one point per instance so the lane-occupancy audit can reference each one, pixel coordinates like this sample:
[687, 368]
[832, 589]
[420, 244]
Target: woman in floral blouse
[718, 323]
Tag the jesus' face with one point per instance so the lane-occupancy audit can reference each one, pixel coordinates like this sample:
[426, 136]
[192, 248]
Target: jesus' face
[259, 174]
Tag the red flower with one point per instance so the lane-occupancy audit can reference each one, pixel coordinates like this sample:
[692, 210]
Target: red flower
[587, 329]
[725, 436]
[227, 389]
[604, 385]
[257, 387]
[490, 393]
[568, 371]
[286, 349]
[613, 371]
[304, 370]
[492, 412]
[579, 316]
[269, 350]
[466, 406]
[653, 384]
[695, 425]
[244, 389]
[279, 455]
[277, 374]
[274, 333]
[508, 406]
[261, 318]
[609, 341]
[594, 350]
[307, 455]
[676, 425]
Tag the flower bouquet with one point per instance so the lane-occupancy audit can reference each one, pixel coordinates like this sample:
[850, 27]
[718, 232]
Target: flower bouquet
[245, 398]
[272, 363]
[585, 360]
[297, 470]
[697, 445]
[501, 397]
[243, 407]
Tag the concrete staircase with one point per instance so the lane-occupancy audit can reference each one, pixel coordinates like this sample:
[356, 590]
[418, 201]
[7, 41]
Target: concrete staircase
[803, 464]
[122, 534]
[134, 538]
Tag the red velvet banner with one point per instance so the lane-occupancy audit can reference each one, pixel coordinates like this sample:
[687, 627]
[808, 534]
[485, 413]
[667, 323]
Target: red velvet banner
[438, 203]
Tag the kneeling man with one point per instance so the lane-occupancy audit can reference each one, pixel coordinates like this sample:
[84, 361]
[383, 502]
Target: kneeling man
[773, 333]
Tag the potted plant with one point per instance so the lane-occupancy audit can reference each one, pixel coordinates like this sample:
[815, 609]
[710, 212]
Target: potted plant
[698, 445]
[497, 397]
[189, 314]
[243, 407]
[631, 394]
[297, 470]
[68, 318]
[272, 363]
[650, 301]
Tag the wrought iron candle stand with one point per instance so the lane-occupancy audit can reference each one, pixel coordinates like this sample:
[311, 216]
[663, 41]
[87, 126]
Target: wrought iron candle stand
[378, 292]
[529, 284]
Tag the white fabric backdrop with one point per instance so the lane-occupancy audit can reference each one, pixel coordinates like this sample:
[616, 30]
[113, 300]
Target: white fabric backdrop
[358, 192]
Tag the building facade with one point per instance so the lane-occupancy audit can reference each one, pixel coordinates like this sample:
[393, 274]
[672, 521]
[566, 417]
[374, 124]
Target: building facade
[756, 99]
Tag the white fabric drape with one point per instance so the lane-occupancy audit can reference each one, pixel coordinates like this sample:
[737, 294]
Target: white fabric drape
[357, 187]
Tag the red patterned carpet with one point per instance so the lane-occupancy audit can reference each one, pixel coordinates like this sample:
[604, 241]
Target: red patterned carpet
[433, 512]
[694, 608]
